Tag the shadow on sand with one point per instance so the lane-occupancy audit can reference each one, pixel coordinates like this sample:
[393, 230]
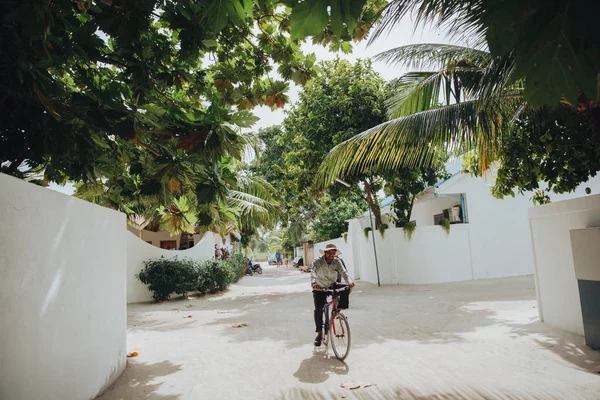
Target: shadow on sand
[138, 378]
[319, 367]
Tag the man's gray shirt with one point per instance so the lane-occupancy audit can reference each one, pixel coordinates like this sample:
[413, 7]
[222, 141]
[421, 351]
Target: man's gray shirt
[324, 274]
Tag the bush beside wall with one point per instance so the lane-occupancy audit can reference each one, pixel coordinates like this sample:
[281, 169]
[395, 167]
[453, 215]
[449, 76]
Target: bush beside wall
[182, 275]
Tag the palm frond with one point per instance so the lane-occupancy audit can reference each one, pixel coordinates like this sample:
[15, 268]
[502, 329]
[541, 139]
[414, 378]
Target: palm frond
[460, 18]
[433, 55]
[414, 139]
[256, 186]
[247, 202]
[421, 91]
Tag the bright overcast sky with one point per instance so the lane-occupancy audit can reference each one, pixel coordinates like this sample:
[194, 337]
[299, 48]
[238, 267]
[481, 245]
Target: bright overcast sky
[403, 34]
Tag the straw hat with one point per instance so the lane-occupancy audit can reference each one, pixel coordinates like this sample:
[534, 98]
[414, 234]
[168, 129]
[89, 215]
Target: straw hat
[330, 246]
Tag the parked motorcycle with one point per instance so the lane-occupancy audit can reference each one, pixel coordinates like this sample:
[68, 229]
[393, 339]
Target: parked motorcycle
[253, 268]
[256, 268]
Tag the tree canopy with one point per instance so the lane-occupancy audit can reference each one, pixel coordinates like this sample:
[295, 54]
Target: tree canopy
[142, 101]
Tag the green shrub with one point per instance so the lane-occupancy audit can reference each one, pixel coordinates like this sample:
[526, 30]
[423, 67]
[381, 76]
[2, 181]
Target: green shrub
[409, 229]
[214, 275]
[165, 276]
[237, 263]
[382, 229]
[366, 232]
[445, 224]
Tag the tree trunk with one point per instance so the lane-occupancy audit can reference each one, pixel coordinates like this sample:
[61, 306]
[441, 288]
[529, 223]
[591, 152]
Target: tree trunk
[184, 240]
[374, 209]
[408, 214]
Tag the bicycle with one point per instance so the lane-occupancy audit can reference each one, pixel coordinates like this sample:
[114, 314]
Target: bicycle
[335, 321]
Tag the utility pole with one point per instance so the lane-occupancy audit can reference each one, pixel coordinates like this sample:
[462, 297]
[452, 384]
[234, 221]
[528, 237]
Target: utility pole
[372, 229]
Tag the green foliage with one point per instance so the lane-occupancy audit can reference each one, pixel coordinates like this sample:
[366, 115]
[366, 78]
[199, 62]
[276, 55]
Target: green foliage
[445, 224]
[141, 102]
[214, 275]
[409, 229]
[330, 221]
[164, 276]
[345, 236]
[553, 146]
[405, 183]
[339, 102]
[237, 263]
[179, 217]
[466, 101]
[382, 229]
[366, 232]
[553, 42]
[560, 60]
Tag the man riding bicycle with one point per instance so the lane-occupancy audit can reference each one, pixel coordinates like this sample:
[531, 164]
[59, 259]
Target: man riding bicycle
[323, 274]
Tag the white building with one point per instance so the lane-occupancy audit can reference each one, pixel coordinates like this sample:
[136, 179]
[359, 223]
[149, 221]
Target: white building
[489, 237]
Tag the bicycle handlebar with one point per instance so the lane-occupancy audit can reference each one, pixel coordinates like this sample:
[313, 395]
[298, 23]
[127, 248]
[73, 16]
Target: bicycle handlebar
[335, 290]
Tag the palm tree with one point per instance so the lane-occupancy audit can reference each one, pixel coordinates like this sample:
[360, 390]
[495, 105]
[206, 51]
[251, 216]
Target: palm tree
[466, 102]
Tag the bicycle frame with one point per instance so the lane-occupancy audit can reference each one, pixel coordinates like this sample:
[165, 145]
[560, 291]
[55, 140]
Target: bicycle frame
[330, 310]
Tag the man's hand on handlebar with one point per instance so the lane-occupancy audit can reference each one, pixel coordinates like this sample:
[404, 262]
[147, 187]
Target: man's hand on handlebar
[351, 284]
[316, 287]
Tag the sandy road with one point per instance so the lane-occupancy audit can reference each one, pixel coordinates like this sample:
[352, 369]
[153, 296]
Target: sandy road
[468, 340]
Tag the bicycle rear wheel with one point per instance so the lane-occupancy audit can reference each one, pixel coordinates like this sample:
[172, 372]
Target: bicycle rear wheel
[340, 336]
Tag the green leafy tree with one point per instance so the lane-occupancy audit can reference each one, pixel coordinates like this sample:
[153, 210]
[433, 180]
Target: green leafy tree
[472, 99]
[78, 74]
[330, 221]
[406, 183]
[340, 102]
[466, 101]
[551, 146]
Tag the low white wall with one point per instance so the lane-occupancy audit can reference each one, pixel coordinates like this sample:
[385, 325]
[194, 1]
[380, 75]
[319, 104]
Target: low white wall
[432, 256]
[499, 230]
[139, 251]
[62, 291]
[497, 239]
[558, 293]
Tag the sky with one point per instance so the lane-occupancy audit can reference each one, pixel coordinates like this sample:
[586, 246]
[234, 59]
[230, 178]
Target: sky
[402, 35]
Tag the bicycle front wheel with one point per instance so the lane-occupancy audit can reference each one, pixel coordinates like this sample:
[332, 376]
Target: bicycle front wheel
[340, 336]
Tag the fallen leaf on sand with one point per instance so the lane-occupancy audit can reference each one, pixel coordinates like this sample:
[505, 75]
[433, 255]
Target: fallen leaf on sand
[190, 306]
[189, 316]
[132, 354]
[239, 325]
[354, 386]
[223, 312]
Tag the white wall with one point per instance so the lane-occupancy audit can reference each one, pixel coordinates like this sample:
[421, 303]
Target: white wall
[499, 228]
[425, 208]
[432, 256]
[139, 251]
[62, 291]
[558, 293]
[495, 243]
[499, 231]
